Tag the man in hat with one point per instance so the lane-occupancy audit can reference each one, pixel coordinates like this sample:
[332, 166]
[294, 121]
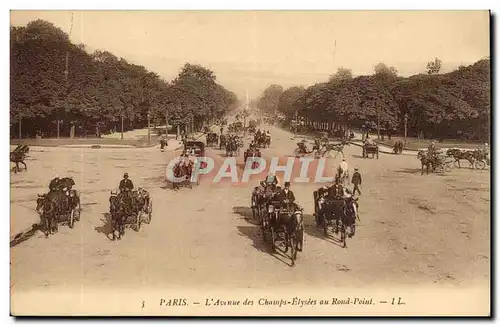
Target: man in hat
[356, 181]
[126, 184]
[126, 187]
[54, 184]
[287, 195]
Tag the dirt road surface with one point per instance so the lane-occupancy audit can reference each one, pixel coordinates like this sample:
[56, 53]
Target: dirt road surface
[415, 231]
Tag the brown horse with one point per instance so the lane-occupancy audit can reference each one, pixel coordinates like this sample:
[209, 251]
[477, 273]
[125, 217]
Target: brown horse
[118, 210]
[461, 155]
[426, 161]
[18, 157]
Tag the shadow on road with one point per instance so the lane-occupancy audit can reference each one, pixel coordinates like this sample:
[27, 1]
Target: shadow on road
[357, 156]
[21, 237]
[246, 213]
[255, 234]
[312, 230]
[411, 171]
[106, 228]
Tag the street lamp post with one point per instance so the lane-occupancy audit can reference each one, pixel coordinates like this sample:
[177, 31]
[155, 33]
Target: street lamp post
[122, 125]
[378, 125]
[149, 128]
[406, 123]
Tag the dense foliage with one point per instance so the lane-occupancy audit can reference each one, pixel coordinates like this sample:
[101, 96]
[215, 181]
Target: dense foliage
[100, 88]
[451, 105]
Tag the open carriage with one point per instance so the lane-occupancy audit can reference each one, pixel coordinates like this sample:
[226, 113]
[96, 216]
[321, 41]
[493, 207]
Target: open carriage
[212, 139]
[129, 210]
[252, 153]
[283, 227]
[334, 213]
[370, 149]
[58, 208]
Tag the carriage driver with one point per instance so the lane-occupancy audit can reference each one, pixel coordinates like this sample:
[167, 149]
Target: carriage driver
[55, 184]
[369, 141]
[272, 179]
[287, 197]
[126, 184]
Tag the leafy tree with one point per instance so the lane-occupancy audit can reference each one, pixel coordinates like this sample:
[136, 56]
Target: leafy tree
[100, 88]
[341, 75]
[287, 101]
[269, 100]
[433, 67]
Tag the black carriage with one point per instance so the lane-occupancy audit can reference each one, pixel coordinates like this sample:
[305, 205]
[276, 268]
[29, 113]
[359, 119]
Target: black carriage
[252, 152]
[183, 176]
[212, 140]
[331, 212]
[232, 146]
[141, 212]
[370, 149]
[275, 231]
[195, 148]
[68, 213]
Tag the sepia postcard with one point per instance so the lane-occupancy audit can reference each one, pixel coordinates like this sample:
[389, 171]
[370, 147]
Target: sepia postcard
[250, 163]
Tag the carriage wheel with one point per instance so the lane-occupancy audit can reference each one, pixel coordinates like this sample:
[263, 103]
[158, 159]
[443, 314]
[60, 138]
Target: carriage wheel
[71, 221]
[138, 221]
[480, 165]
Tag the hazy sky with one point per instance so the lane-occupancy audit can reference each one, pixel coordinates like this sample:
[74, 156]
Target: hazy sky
[250, 50]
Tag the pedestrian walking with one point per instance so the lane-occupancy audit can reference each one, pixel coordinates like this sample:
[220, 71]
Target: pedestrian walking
[356, 180]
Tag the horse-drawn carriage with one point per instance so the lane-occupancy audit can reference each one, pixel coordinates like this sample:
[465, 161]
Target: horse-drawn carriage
[61, 205]
[212, 139]
[370, 149]
[252, 153]
[18, 155]
[285, 225]
[195, 148]
[336, 212]
[435, 162]
[281, 223]
[262, 140]
[233, 144]
[129, 209]
[183, 169]
[301, 150]
[235, 127]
